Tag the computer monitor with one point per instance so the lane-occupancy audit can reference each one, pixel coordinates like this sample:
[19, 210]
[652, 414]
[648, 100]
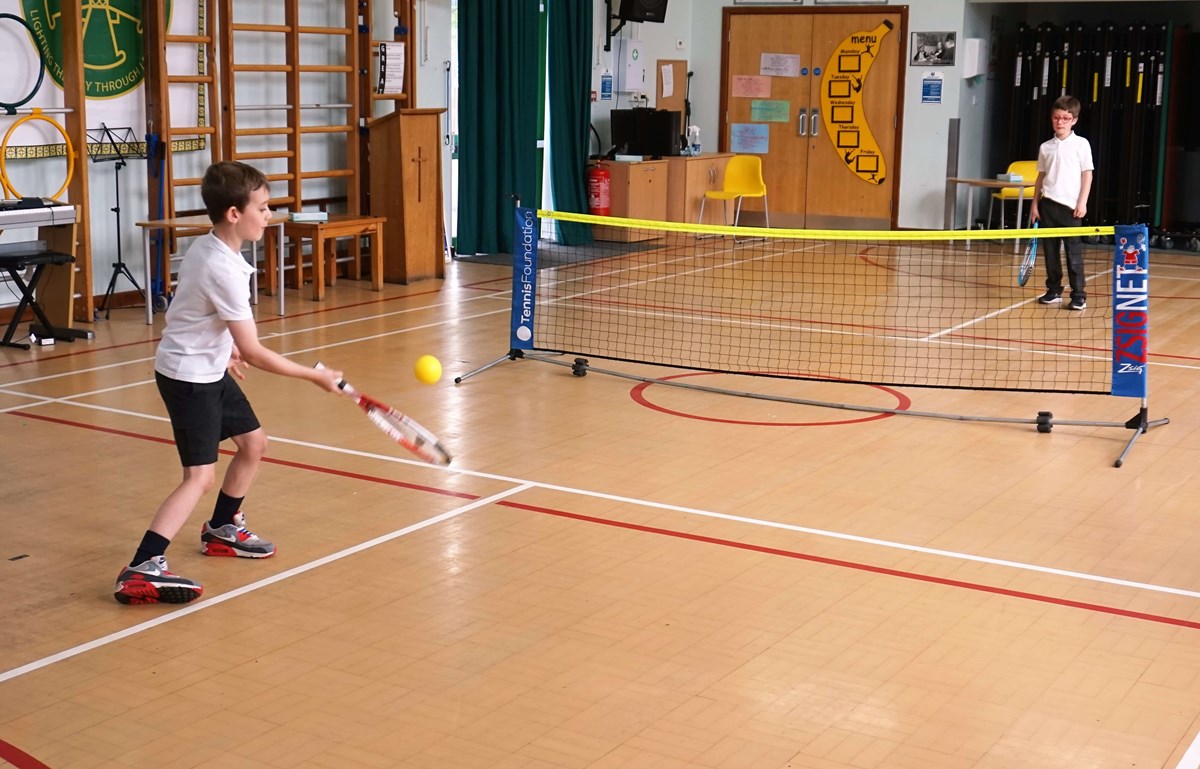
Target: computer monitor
[651, 132]
[643, 10]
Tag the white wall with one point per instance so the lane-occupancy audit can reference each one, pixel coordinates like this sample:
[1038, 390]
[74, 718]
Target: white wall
[927, 126]
[431, 49]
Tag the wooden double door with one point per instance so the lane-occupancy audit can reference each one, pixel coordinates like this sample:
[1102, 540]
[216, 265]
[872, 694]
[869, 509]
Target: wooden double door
[817, 94]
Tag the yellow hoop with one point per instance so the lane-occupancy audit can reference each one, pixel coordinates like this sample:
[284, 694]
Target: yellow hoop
[37, 114]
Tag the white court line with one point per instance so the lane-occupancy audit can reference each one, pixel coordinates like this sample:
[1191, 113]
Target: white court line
[220, 599]
[524, 484]
[325, 346]
[954, 555]
[763, 523]
[1191, 757]
[1084, 576]
[974, 321]
[75, 372]
[771, 524]
[629, 500]
[1001, 311]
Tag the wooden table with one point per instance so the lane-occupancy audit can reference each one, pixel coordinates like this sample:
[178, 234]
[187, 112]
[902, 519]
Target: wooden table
[325, 234]
[273, 243]
[951, 214]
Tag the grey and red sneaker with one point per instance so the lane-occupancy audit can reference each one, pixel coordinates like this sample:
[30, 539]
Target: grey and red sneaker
[152, 582]
[235, 540]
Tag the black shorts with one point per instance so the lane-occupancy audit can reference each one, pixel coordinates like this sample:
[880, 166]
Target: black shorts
[203, 415]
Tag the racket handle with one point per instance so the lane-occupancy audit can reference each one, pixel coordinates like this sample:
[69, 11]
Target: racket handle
[342, 383]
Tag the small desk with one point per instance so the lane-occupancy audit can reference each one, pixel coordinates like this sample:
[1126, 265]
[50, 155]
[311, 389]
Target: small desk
[327, 232]
[202, 222]
[952, 183]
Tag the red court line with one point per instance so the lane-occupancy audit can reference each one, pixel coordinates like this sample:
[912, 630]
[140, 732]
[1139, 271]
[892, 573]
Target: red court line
[267, 460]
[974, 586]
[19, 758]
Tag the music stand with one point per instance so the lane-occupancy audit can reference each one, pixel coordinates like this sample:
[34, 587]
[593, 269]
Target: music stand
[111, 140]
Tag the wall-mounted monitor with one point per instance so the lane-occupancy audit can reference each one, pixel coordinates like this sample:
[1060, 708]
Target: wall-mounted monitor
[643, 10]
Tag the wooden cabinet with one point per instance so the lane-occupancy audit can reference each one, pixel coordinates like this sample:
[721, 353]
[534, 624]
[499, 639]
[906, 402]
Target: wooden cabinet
[688, 178]
[639, 191]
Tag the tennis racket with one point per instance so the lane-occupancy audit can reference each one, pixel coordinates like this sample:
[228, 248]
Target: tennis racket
[1028, 261]
[401, 428]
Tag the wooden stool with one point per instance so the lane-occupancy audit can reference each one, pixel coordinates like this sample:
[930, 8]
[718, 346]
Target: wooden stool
[325, 234]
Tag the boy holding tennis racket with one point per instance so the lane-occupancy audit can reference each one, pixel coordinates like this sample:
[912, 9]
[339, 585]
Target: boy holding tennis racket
[210, 335]
[1060, 198]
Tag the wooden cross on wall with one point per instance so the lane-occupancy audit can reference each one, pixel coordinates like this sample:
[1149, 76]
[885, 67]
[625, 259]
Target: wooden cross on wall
[420, 160]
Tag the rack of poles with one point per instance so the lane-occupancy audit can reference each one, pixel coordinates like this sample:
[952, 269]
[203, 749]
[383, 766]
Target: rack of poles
[1121, 75]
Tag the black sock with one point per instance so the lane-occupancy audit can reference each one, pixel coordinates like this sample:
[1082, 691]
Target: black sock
[153, 544]
[225, 509]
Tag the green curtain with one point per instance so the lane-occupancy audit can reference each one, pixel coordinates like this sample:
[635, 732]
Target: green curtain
[569, 63]
[498, 119]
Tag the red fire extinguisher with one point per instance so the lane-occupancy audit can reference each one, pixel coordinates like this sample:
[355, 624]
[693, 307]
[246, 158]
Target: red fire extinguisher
[599, 191]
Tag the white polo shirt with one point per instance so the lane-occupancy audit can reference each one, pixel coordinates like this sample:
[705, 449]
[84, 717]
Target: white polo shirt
[1063, 162]
[213, 289]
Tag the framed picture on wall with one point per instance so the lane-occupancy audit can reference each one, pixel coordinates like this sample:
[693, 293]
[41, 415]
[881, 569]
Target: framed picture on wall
[932, 49]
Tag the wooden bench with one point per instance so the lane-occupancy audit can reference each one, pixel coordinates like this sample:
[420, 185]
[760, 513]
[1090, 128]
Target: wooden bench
[324, 236]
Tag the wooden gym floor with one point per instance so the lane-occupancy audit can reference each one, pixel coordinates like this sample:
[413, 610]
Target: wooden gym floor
[608, 575]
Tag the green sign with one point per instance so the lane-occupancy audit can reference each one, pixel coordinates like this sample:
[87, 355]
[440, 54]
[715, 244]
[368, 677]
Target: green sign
[768, 111]
[113, 52]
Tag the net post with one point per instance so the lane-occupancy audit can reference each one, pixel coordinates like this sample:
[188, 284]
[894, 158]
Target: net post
[1131, 326]
[1139, 423]
[512, 355]
[524, 288]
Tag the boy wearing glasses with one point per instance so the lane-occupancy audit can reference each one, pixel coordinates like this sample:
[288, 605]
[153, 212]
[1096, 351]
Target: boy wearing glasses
[1060, 197]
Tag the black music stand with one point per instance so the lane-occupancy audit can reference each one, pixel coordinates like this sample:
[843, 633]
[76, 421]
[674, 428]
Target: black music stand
[111, 140]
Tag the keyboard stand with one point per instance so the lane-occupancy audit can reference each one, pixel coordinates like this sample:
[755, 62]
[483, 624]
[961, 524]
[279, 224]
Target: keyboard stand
[15, 258]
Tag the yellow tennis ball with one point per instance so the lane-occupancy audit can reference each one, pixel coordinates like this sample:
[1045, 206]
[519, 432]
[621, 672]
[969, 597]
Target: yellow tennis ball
[428, 369]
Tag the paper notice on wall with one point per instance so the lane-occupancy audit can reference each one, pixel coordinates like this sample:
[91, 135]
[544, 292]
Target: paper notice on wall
[668, 81]
[750, 138]
[752, 86]
[779, 65]
[391, 68]
[931, 88]
[766, 111]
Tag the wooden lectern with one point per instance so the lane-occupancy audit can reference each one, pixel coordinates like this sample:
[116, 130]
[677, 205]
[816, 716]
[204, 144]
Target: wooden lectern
[406, 187]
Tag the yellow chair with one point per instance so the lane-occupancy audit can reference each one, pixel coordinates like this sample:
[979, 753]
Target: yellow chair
[1027, 170]
[743, 179]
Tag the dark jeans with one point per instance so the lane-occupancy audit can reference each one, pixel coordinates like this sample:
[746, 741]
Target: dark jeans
[1055, 214]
